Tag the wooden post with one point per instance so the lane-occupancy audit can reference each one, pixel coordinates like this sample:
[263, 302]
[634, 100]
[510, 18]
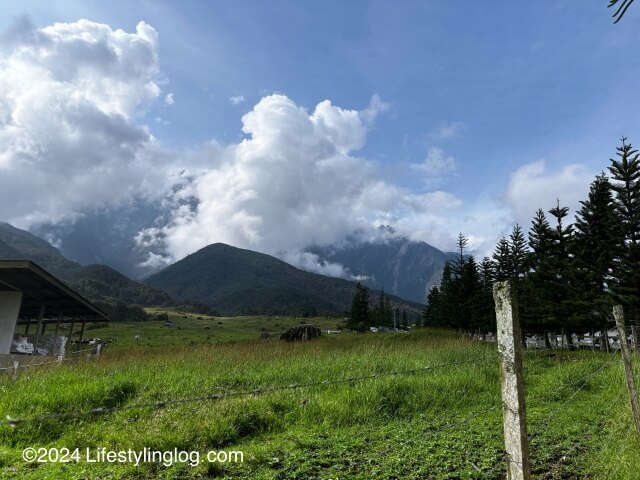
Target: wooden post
[618, 314]
[513, 405]
[38, 329]
[73, 321]
[82, 331]
[634, 337]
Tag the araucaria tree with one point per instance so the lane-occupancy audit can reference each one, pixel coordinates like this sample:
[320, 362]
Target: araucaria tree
[625, 173]
[360, 317]
[567, 275]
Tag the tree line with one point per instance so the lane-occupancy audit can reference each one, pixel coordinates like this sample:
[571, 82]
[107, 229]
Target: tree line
[365, 313]
[567, 275]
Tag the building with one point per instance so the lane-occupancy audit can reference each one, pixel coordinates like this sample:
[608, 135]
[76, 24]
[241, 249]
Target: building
[39, 314]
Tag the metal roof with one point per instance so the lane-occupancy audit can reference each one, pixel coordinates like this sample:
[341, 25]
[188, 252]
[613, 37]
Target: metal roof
[39, 287]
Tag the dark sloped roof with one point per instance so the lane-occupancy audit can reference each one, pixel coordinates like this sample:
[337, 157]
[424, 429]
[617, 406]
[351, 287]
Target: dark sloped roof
[40, 287]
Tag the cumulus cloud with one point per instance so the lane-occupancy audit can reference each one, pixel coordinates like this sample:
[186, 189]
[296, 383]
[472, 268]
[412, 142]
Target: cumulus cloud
[532, 186]
[295, 181]
[237, 100]
[72, 101]
[70, 97]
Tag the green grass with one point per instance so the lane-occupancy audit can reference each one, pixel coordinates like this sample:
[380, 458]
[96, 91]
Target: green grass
[196, 329]
[432, 424]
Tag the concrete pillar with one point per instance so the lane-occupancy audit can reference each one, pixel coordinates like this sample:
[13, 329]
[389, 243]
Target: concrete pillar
[10, 303]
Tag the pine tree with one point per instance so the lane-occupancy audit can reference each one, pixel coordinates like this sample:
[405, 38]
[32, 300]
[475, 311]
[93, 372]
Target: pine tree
[432, 310]
[487, 309]
[596, 236]
[378, 313]
[501, 259]
[626, 175]
[388, 311]
[561, 273]
[360, 318]
[517, 263]
[540, 280]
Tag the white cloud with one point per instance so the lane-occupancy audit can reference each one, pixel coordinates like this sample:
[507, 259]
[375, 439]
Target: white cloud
[294, 182]
[70, 95]
[312, 263]
[532, 186]
[71, 99]
[375, 108]
[436, 164]
[237, 100]
[169, 99]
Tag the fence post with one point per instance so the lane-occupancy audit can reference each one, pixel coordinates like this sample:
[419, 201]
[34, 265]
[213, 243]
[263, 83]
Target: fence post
[511, 379]
[618, 314]
[16, 370]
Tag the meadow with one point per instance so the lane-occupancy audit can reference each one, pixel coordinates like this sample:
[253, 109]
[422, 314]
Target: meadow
[441, 418]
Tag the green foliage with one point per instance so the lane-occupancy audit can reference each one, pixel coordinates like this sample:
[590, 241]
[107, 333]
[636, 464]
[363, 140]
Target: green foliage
[121, 312]
[625, 172]
[462, 301]
[434, 424]
[236, 281]
[360, 318]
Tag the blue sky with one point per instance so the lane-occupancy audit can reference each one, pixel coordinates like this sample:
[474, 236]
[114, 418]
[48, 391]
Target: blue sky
[494, 87]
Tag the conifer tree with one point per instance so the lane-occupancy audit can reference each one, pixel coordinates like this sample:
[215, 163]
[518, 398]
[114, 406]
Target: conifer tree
[596, 236]
[388, 311]
[431, 312]
[488, 314]
[360, 319]
[560, 267]
[541, 280]
[517, 263]
[625, 173]
[501, 259]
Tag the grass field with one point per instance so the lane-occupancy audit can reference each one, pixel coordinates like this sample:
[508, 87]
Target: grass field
[439, 423]
[195, 329]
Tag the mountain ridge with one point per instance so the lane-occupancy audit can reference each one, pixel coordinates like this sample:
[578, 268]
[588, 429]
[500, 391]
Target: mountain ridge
[98, 282]
[264, 284]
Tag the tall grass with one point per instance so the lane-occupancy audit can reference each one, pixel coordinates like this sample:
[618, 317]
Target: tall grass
[354, 429]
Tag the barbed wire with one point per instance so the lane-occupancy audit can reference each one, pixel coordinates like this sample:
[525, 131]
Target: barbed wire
[13, 422]
[588, 432]
[584, 383]
[506, 457]
[71, 356]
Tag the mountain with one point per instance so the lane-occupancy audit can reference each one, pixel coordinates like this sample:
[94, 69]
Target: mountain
[235, 281]
[97, 282]
[402, 267]
[106, 237]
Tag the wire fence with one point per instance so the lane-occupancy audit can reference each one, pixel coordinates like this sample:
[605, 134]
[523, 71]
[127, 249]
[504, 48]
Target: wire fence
[499, 462]
[71, 356]
[220, 396]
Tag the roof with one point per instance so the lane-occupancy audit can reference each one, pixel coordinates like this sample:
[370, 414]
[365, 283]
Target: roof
[39, 287]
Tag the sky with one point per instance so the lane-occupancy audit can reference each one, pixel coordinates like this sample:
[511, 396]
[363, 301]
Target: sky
[278, 125]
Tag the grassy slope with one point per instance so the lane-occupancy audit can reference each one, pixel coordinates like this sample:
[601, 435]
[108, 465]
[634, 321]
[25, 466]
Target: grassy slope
[196, 329]
[396, 426]
[235, 281]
